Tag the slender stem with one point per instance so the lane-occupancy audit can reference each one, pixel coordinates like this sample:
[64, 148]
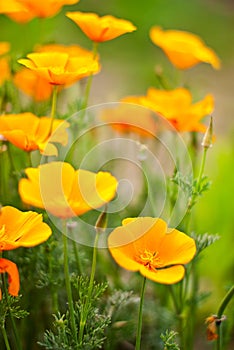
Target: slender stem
[202, 167]
[90, 79]
[53, 107]
[139, 325]
[94, 263]
[225, 301]
[84, 315]
[78, 265]
[68, 284]
[5, 338]
[15, 331]
[221, 309]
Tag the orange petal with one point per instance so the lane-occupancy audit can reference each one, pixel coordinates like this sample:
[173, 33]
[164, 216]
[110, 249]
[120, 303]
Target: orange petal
[168, 275]
[13, 276]
[22, 229]
[177, 248]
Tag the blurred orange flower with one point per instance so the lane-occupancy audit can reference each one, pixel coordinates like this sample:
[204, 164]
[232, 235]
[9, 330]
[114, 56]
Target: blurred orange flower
[177, 107]
[11, 6]
[21, 229]
[183, 49]
[127, 118]
[25, 10]
[146, 245]
[71, 50]
[7, 266]
[33, 85]
[100, 29]
[29, 132]
[58, 68]
[64, 191]
[4, 47]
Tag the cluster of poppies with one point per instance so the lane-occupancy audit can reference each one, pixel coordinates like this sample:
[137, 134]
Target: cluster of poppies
[141, 244]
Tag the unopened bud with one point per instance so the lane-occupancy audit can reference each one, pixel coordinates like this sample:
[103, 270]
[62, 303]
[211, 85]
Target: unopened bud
[101, 222]
[207, 139]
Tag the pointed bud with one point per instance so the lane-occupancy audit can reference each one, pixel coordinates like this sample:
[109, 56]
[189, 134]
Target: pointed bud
[101, 222]
[208, 137]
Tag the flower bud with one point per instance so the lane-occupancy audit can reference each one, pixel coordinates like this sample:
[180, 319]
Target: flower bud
[207, 139]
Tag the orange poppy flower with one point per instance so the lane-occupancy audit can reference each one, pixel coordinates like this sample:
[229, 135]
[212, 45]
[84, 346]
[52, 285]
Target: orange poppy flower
[29, 132]
[177, 107]
[146, 245]
[7, 266]
[64, 191]
[183, 49]
[4, 47]
[101, 29]
[59, 68]
[21, 229]
[44, 8]
[33, 85]
[130, 118]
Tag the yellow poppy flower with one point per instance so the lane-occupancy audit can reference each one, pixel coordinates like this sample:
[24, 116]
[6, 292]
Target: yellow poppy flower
[183, 49]
[29, 132]
[146, 245]
[21, 229]
[101, 29]
[71, 50]
[11, 6]
[130, 118]
[33, 85]
[177, 107]
[64, 191]
[7, 266]
[58, 68]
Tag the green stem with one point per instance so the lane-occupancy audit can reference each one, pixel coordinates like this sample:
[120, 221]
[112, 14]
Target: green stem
[94, 263]
[139, 325]
[225, 302]
[90, 79]
[68, 284]
[15, 331]
[202, 167]
[221, 309]
[84, 314]
[53, 107]
[5, 338]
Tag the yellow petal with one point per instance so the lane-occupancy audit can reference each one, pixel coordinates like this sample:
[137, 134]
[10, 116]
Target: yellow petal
[13, 276]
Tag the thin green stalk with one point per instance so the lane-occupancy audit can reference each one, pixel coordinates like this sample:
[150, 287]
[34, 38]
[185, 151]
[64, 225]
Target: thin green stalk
[139, 325]
[5, 338]
[78, 265]
[15, 331]
[94, 263]
[221, 309]
[90, 79]
[84, 315]
[53, 107]
[68, 284]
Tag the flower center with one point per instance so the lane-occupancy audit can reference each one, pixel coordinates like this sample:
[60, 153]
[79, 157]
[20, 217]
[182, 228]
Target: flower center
[150, 259]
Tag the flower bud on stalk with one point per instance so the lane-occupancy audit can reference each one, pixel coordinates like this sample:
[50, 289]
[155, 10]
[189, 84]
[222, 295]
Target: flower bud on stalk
[208, 137]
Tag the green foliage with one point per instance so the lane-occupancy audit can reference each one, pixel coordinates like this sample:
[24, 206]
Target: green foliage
[60, 337]
[204, 240]
[168, 339]
[9, 307]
